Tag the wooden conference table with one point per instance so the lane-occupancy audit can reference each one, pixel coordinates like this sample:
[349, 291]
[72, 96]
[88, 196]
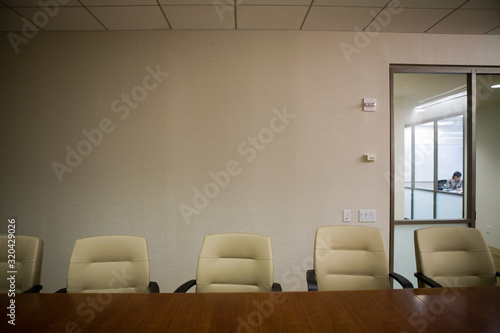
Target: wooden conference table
[468, 310]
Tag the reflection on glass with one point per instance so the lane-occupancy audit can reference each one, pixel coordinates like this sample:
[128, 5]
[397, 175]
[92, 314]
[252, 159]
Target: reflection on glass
[424, 156]
[407, 209]
[408, 156]
[450, 138]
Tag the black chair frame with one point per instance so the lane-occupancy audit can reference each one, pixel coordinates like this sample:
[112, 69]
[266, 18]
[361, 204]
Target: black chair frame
[433, 284]
[33, 290]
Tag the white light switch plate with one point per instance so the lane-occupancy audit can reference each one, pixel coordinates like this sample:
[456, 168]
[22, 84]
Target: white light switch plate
[367, 215]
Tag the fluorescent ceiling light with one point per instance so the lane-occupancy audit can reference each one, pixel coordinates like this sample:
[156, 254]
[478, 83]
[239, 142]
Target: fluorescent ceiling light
[422, 107]
[496, 86]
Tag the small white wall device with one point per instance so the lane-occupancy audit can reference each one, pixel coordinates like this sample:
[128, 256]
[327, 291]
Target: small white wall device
[369, 104]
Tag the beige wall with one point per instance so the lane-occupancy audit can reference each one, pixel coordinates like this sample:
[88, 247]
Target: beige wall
[223, 88]
[488, 161]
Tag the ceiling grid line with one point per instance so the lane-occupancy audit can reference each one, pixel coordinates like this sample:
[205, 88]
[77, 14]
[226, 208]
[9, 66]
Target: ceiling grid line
[374, 17]
[307, 14]
[453, 11]
[469, 17]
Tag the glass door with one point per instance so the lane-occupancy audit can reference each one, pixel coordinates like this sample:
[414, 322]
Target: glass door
[431, 156]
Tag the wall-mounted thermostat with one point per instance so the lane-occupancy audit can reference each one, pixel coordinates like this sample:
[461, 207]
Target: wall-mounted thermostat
[369, 104]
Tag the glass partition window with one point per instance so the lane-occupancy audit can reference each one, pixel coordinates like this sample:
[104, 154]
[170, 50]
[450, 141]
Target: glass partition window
[449, 206]
[423, 205]
[432, 156]
[450, 138]
[430, 109]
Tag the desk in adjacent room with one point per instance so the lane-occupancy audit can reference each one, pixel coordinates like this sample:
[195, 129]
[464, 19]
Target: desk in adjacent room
[412, 310]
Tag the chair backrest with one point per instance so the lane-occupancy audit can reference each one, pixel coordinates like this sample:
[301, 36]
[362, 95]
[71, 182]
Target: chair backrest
[235, 262]
[350, 258]
[116, 264]
[454, 256]
[28, 253]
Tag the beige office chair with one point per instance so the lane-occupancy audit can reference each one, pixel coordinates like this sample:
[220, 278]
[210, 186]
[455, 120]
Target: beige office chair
[28, 253]
[453, 257]
[118, 264]
[350, 258]
[234, 262]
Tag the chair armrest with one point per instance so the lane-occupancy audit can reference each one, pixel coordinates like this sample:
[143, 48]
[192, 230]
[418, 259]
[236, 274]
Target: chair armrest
[427, 280]
[404, 282]
[312, 284]
[154, 287]
[185, 286]
[61, 291]
[276, 287]
[33, 290]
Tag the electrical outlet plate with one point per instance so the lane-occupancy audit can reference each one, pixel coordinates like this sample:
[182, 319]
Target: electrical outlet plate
[346, 215]
[367, 215]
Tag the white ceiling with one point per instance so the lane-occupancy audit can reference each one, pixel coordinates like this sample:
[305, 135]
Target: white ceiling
[476, 17]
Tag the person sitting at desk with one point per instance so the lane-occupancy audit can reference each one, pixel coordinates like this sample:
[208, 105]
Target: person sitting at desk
[455, 183]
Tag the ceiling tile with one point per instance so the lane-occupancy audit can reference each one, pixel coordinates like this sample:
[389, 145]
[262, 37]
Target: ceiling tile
[36, 3]
[67, 19]
[430, 3]
[130, 17]
[339, 18]
[495, 31]
[95, 3]
[200, 17]
[482, 4]
[271, 17]
[477, 22]
[198, 2]
[274, 2]
[351, 3]
[431, 16]
[409, 20]
[10, 20]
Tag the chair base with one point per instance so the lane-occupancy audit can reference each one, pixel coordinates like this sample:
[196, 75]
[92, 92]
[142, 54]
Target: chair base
[33, 290]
